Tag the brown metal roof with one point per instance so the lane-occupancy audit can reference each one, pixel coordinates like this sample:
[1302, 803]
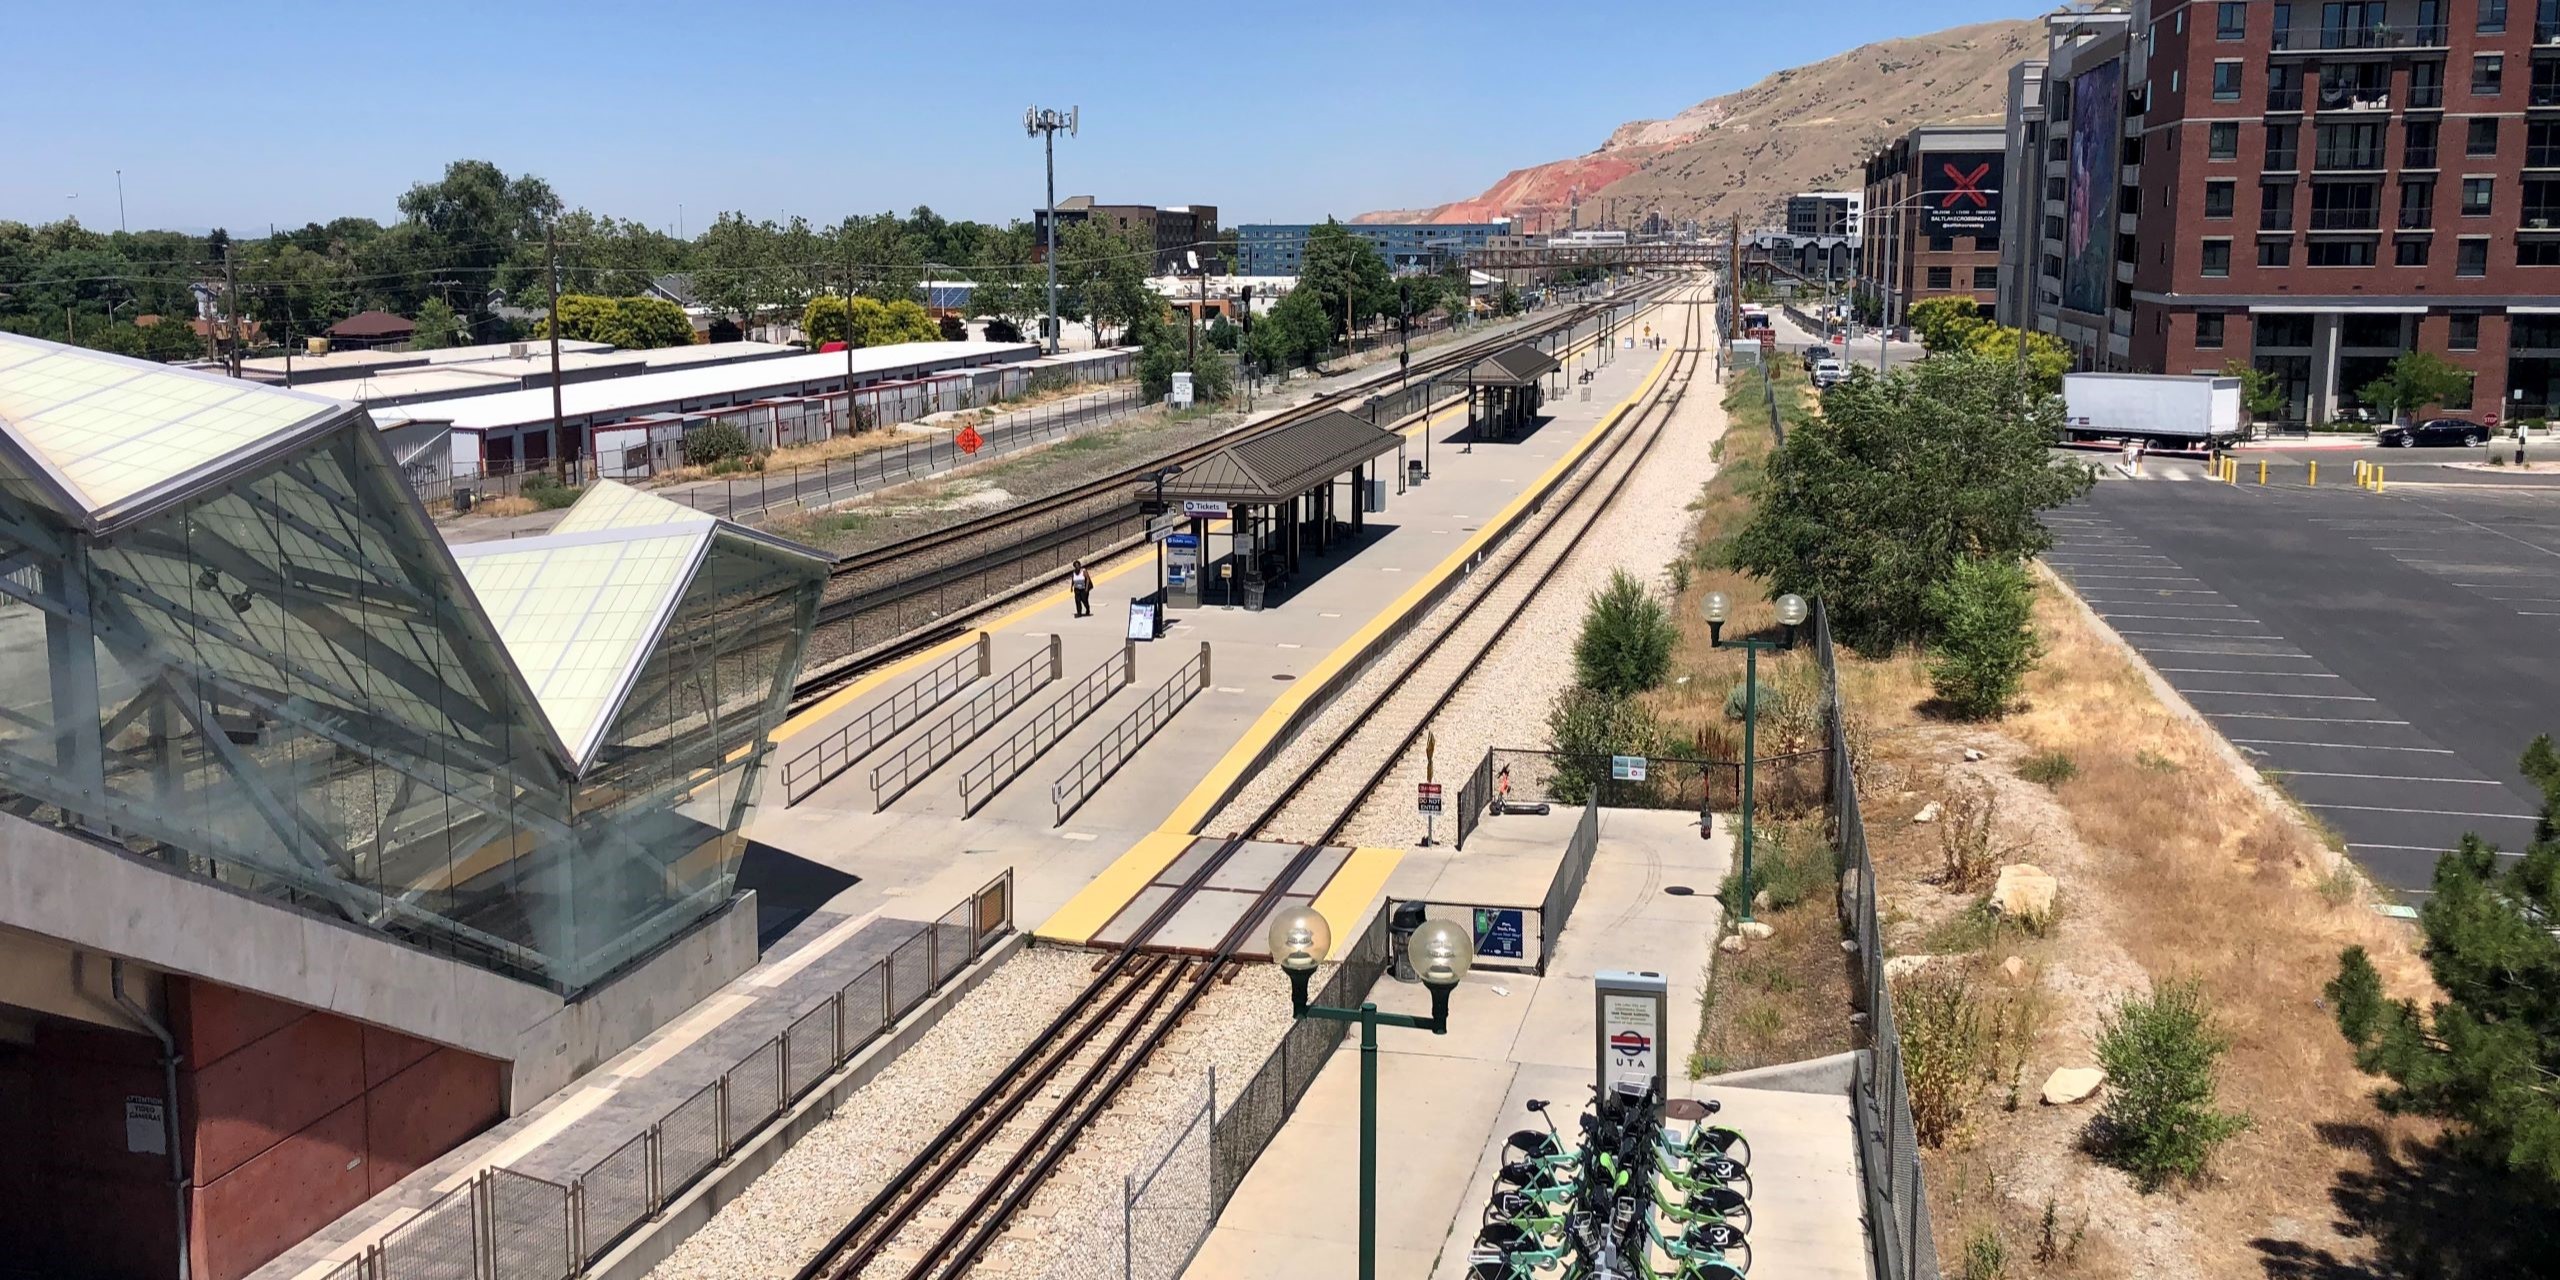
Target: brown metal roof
[372, 324]
[1514, 367]
[1280, 465]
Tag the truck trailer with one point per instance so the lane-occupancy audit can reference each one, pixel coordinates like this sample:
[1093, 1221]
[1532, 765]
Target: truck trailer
[2164, 411]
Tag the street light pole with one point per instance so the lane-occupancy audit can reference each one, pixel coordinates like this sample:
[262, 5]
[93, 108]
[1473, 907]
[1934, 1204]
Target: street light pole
[1045, 123]
[1791, 613]
[1301, 938]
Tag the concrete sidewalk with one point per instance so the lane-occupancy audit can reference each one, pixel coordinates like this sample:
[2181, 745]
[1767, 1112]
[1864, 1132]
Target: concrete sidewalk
[1447, 1103]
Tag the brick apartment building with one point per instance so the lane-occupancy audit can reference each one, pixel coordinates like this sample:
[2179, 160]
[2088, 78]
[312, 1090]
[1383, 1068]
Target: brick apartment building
[1932, 218]
[2309, 187]
[1171, 228]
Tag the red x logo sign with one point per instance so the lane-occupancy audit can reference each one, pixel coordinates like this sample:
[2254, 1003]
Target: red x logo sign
[1968, 186]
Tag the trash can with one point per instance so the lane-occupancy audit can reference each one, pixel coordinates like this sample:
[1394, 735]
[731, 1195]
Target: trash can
[461, 500]
[1412, 471]
[1401, 923]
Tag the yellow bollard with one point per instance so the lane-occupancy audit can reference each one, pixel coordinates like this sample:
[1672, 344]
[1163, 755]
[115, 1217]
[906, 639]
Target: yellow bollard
[2262, 471]
[2378, 479]
[2314, 481]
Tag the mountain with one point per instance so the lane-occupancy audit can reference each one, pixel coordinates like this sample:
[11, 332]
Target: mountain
[1808, 128]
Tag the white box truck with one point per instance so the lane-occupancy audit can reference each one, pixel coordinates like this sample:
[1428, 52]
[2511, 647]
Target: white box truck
[2163, 410]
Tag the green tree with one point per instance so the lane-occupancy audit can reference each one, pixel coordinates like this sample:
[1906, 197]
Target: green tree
[1945, 324]
[1985, 646]
[1898, 480]
[632, 324]
[1625, 645]
[474, 229]
[875, 323]
[1345, 275]
[437, 326]
[2048, 357]
[2484, 1056]
[2416, 380]
[740, 271]
[2261, 394]
[1508, 302]
[1107, 273]
[2161, 1053]
[1295, 332]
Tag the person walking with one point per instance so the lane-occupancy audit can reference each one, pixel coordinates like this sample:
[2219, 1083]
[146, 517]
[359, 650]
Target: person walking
[1081, 583]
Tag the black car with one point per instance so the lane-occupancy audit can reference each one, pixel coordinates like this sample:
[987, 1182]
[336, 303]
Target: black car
[2433, 431]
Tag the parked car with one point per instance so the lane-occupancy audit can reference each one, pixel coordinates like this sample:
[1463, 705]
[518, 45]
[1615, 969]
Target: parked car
[2433, 431]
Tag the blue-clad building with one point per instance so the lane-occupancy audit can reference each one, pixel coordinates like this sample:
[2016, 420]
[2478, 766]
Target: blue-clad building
[1275, 249]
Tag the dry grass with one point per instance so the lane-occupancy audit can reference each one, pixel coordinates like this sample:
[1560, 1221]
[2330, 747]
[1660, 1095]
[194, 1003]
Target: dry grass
[2174, 861]
[509, 505]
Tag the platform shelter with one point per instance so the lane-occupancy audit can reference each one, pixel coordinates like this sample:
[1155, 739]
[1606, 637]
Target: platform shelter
[1259, 508]
[1504, 392]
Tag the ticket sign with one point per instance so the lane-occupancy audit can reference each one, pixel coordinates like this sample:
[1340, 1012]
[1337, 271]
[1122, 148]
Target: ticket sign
[1631, 1023]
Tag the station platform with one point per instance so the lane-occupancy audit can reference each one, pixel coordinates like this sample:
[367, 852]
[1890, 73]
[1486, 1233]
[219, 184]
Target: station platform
[841, 851]
[1447, 1103]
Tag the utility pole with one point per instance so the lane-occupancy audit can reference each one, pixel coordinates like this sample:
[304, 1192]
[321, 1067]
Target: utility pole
[231, 310]
[559, 435]
[120, 224]
[1044, 123]
[849, 426]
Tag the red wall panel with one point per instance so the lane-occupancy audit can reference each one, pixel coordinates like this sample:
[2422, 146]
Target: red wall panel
[266, 1090]
[427, 1110]
[282, 1195]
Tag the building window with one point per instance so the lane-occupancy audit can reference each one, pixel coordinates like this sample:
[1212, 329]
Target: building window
[2231, 21]
[2222, 140]
[2226, 82]
[2275, 206]
[2417, 205]
[1986, 244]
[2346, 206]
[2488, 74]
[2286, 330]
[2282, 147]
[2053, 189]
[1986, 277]
[2482, 140]
[2353, 252]
[2542, 141]
[2493, 18]
[2541, 204]
[2418, 145]
[2410, 251]
[2471, 256]
[2217, 257]
[2219, 196]
[2477, 194]
[2463, 334]
[2348, 146]
[2426, 85]
[2209, 329]
[2538, 253]
[1942, 277]
[2276, 252]
[1942, 244]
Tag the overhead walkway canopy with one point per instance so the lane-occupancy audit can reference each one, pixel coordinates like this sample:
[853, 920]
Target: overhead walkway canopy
[1504, 392]
[231, 640]
[1278, 493]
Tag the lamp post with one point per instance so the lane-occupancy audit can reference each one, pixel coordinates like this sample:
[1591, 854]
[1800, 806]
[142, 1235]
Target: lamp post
[1301, 938]
[1791, 613]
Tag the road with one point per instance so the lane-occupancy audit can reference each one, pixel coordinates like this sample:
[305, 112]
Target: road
[2386, 657]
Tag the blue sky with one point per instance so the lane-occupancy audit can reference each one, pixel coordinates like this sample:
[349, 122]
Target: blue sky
[288, 113]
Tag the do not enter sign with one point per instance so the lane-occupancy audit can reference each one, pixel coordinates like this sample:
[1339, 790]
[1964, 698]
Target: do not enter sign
[969, 440]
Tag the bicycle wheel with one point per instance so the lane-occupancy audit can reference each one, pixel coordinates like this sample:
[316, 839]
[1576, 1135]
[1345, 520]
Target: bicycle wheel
[1723, 1239]
[1723, 1202]
[1532, 1143]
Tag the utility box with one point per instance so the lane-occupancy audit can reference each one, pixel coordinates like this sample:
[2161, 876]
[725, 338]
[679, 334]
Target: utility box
[1632, 1017]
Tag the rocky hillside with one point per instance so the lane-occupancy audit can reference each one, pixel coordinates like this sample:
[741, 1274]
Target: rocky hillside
[1808, 128]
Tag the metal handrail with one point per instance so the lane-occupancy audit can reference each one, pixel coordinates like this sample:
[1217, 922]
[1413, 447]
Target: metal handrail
[892, 777]
[1104, 758]
[980, 782]
[804, 773]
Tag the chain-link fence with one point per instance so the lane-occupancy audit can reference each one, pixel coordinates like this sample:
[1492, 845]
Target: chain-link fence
[506, 1225]
[1782, 785]
[1249, 1123]
[1888, 1149]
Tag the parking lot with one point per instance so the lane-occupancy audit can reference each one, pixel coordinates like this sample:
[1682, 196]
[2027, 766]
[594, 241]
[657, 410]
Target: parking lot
[2386, 657]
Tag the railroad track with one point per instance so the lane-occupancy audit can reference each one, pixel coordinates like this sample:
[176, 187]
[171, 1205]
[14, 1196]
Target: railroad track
[957, 1196]
[913, 593]
[1315, 805]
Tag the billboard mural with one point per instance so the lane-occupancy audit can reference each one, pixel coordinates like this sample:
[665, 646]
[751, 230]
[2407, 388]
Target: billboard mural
[2089, 230]
[1960, 192]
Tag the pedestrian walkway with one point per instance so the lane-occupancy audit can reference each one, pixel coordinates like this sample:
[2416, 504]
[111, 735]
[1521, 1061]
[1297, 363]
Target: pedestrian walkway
[1447, 1103]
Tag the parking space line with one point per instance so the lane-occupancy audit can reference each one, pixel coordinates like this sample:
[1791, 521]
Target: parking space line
[2173, 591]
[2420, 848]
[2251, 693]
[2226, 671]
[2217, 653]
[2433, 813]
[2180, 617]
[2269, 715]
[2183, 604]
[2133, 577]
[2391, 777]
[2206, 635]
[2342, 746]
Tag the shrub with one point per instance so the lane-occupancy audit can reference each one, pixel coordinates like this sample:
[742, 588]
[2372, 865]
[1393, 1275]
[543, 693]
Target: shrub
[2048, 768]
[545, 491]
[713, 442]
[2160, 1052]
[1790, 861]
[1986, 1256]
[1968, 838]
[954, 329]
[1625, 647]
[1003, 330]
[1944, 1048]
[1587, 727]
[1984, 645]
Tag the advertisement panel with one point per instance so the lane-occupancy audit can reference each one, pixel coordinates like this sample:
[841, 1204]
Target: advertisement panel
[2089, 229]
[1960, 192]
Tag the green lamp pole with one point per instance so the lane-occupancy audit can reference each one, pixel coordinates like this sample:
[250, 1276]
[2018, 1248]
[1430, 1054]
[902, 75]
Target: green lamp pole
[1791, 614]
[1444, 953]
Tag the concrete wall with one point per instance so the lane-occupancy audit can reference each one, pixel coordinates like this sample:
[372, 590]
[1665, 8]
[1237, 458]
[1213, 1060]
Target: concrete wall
[616, 1014]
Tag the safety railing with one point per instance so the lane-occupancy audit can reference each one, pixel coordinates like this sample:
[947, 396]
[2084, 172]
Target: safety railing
[507, 1225]
[1473, 795]
[1566, 888]
[1248, 1124]
[804, 773]
[1018, 750]
[893, 776]
[1122, 741]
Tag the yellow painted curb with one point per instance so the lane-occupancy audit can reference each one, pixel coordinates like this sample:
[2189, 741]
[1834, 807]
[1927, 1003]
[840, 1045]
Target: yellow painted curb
[1347, 896]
